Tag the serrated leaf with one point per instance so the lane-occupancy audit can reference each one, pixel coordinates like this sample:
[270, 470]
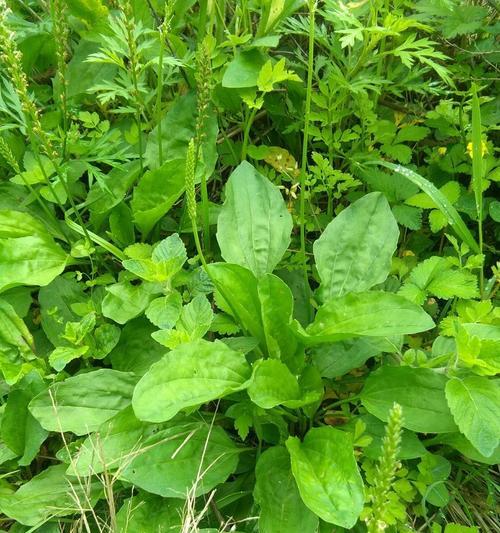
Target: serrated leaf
[437, 277]
[408, 216]
[412, 133]
[165, 310]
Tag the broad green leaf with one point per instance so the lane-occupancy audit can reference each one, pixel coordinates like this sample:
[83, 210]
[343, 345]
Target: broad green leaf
[20, 431]
[464, 446]
[63, 355]
[276, 301]
[80, 404]
[327, 475]
[49, 494]
[125, 301]
[148, 513]
[165, 310]
[410, 447]
[178, 127]
[136, 351]
[254, 225]
[57, 301]
[354, 252]
[114, 445]
[243, 71]
[28, 253]
[339, 358]
[16, 344]
[371, 314]
[272, 384]
[237, 295]
[281, 507]
[419, 391]
[190, 375]
[196, 317]
[192, 457]
[156, 192]
[20, 299]
[475, 404]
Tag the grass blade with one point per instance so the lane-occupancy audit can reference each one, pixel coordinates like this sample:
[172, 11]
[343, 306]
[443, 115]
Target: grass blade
[443, 204]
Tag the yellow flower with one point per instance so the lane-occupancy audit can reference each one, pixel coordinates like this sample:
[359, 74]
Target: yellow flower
[484, 149]
[442, 150]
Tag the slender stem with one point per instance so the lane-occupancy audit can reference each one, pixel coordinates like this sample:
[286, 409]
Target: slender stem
[477, 174]
[159, 89]
[246, 132]
[205, 212]
[310, 67]
[202, 19]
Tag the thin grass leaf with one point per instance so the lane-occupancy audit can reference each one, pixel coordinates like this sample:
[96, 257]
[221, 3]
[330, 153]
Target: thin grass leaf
[443, 204]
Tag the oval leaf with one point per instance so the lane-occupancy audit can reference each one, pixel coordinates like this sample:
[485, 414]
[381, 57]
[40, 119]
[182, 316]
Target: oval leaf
[189, 457]
[80, 404]
[272, 384]
[254, 225]
[375, 314]
[190, 375]
[281, 507]
[354, 252]
[47, 495]
[327, 475]
[475, 404]
[28, 253]
[419, 391]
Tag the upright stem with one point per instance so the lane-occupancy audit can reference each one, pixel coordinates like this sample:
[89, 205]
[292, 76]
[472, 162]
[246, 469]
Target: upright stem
[159, 89]
[477, 173]
[246, 133]
[310, 66]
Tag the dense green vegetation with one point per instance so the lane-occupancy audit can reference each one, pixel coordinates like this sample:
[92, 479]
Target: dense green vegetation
[248, 275]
